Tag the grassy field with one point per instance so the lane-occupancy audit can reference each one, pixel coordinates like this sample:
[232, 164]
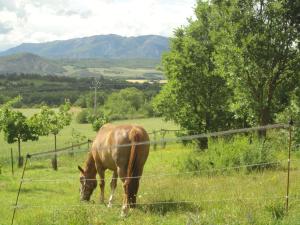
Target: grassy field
[120, 72]
[167, 195]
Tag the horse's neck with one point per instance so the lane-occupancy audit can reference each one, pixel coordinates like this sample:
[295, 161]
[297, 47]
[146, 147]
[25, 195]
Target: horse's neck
[90, 166]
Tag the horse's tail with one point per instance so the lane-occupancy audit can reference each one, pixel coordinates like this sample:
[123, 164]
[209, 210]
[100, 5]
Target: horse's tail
[132, 179]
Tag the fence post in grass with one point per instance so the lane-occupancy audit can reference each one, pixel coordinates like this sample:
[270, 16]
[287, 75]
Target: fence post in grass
[19, 190]
[289, 166]
[54, 159]
[12, 161]
[72, 150]
[163, 134]
[154, 140]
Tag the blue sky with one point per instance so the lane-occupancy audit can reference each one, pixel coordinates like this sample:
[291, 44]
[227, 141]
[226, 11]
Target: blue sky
[46, 20]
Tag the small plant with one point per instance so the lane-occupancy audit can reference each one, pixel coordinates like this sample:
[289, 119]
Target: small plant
[277, 209]
[76, 137]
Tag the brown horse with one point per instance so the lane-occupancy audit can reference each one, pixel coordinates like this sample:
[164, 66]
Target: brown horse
[114, 148]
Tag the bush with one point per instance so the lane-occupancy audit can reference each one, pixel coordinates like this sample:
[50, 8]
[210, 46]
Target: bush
[82, 117]
[99, 122]
[236, 152]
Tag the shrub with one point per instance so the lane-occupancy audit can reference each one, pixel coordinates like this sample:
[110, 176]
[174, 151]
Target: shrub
[236, 152]
[82, 117]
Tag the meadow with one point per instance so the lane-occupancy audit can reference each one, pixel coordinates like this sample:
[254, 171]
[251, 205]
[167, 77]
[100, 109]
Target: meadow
[168, 194]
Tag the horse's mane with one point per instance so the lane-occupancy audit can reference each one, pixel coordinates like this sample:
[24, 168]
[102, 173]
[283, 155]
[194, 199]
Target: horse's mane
[90, 167]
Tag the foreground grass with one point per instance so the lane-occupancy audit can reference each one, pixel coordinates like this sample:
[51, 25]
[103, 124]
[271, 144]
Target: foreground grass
[165, 197]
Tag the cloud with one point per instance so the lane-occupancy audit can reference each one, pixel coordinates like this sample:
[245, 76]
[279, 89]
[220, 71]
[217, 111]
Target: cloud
[5, 28]
[47, 20]
[82, 14]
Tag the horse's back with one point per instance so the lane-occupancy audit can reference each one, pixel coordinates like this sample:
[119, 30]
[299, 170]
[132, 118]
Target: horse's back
[113, 143]
[124, 136]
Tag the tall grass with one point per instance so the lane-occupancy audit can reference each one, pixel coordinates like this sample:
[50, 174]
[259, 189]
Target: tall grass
[244, 153]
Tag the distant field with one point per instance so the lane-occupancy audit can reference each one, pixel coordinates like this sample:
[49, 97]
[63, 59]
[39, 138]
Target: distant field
[121, 72]
[141, 81]
[120, 68]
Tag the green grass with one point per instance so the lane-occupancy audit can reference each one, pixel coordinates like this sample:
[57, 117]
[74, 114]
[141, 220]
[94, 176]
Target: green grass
[255, 198]
[229, 198]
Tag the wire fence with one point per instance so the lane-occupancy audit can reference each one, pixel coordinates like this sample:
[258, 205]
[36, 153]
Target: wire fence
[155, 175]
[232, 199]
[167, 140]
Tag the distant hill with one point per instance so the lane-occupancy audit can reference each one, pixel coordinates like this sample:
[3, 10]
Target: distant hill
[100, 46]
[29, 63]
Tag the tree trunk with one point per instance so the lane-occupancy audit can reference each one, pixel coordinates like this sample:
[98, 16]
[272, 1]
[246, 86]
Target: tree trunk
[203, 142]
[264, 119]
[54, 159]
[20, 158]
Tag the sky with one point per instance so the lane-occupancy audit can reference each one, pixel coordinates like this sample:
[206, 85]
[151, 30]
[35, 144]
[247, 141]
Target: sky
[32, 21]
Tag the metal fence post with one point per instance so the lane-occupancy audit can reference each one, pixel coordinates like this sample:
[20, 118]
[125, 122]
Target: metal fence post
[20, 186]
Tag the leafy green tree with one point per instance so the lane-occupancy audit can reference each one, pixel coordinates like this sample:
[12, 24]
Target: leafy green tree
[196, 96]
[258, 54]
[48, 121]
[16, 127]
[120, 105]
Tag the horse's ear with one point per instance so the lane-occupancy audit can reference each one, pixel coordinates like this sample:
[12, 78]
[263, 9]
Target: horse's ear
[80, 169]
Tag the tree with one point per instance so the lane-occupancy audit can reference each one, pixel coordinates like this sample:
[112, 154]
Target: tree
[48, 121]
[16, 127]
[120, 105]
[258, 54]
[196, 96]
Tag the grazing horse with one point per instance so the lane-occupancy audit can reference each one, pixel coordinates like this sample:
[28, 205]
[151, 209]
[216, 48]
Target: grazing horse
[114, 148]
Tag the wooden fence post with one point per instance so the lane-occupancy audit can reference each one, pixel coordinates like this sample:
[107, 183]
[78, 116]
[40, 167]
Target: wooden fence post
[54, 159]
[72, 150]
[289, 167]
[12, 161]
[163, 134]
[154, 140]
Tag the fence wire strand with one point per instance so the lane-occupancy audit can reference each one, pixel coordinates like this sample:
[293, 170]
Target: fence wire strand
[233, 199]
[163, 174]
[168, 140]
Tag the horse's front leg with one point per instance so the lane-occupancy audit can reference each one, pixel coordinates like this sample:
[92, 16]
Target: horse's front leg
[113, 185]
[101, 173]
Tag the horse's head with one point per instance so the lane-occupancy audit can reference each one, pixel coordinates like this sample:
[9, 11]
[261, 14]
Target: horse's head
[87, 185]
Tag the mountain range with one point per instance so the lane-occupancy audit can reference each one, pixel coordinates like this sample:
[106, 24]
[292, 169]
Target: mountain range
[100, 46]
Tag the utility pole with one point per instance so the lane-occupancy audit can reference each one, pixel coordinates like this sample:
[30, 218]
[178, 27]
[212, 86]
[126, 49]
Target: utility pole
[95, 84]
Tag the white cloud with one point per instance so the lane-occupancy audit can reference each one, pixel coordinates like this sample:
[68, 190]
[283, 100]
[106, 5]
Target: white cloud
[47, 20]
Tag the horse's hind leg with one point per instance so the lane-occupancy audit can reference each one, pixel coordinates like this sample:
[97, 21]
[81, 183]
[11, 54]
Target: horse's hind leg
[113, 185]
[122, 174]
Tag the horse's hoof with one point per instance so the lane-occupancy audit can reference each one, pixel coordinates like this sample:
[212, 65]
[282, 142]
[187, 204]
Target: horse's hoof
[124, 214]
